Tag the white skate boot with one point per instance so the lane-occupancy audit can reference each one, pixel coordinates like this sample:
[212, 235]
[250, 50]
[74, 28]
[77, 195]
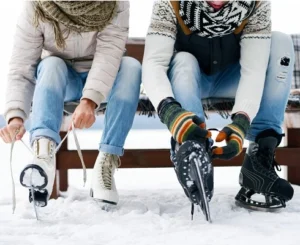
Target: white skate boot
[103, 183]
[39, 176]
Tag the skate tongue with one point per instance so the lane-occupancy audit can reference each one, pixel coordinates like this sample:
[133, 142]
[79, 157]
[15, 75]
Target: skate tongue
[43, 148]
[267, 143]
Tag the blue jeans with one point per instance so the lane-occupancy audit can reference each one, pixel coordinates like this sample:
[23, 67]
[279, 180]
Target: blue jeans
[190, 85]
[57, 83]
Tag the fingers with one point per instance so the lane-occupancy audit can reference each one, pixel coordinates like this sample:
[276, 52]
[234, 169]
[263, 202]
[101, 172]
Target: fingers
[226, 152]
[221, 136]
[21, 133]
[83, 120]
[78, 120]
[199, 122]
[12, 132]
[202, 132]
[90, 122]
[5, 135]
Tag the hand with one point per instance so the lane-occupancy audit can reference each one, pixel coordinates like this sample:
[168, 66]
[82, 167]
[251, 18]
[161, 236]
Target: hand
[234, 135]
[84, 114]
[182, 124]
[13, 131]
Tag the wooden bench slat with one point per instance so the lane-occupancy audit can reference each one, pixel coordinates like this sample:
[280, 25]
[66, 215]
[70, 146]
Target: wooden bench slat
[160, 158]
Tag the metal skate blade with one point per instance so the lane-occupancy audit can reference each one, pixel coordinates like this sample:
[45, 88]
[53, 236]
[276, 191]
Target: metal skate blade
[34, 204]
[106, 206]
[206, 206]
[245, 199]
[256, 208]
[33, 200]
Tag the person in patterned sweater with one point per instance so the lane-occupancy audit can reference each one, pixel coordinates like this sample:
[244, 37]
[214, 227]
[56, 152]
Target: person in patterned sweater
[222, 49]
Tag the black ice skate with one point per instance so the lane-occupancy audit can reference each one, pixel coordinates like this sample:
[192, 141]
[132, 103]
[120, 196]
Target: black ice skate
[258, 176]
[194, 171]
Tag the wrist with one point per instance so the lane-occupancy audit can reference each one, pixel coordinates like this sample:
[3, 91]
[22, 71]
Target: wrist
[166, 108]
[89, 103]
[15, 120]
[242, 121]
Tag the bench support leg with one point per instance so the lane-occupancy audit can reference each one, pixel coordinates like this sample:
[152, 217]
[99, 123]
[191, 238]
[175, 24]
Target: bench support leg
[55, 192]
[293, 140]
[63, 180]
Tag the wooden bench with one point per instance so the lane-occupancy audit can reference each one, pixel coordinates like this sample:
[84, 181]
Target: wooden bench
[159, 158]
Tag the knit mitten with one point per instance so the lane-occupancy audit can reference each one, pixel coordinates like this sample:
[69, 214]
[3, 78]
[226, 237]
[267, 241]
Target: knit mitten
[234, 135]
[182, 124]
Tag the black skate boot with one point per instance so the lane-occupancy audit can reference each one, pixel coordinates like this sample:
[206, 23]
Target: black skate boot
[194, 170]
[258, 175]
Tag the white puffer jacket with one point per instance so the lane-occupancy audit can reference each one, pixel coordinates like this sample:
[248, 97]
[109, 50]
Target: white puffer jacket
[100, 53]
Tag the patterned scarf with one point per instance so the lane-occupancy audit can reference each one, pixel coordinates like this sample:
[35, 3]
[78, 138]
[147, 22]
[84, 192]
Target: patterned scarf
[200, 17]
[77, 16]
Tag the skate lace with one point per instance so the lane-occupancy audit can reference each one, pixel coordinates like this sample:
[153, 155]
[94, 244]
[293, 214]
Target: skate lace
[106, 170]
[267, 159]
[51, 152]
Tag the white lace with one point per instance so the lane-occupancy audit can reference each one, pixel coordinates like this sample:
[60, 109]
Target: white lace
[56, 150]
[105, 177]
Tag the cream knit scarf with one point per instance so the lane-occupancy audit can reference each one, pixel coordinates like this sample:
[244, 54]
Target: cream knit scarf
[77, 16]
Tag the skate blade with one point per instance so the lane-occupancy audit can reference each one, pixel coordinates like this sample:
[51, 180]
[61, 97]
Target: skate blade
[272, 204]
[104, 204]
[205, 205]
[39, 197]
[34, 205]
[256, 208]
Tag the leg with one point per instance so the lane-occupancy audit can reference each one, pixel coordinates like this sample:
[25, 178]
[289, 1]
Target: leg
[120, 111]
[257, 173]
[53, 79]
[187, 82]
[121, 107]
[277, 87]
[225, 83]
[189, 86]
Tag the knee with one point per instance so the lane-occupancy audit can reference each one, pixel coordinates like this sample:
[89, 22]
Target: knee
[131, 66]
[128, 83]
[52, 64]
[129, 73]
[282, 57]
[51, 72]
[282, 48]
[185, 61]
[184, 71]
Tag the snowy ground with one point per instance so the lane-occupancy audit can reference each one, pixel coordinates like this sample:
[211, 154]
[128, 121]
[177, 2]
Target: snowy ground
[152, 210]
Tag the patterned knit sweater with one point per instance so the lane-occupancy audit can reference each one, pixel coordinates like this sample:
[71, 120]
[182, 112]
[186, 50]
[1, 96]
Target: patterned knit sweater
[255, 51]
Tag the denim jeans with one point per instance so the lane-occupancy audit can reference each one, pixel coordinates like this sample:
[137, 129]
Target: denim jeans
[57, 83]
[190, 85]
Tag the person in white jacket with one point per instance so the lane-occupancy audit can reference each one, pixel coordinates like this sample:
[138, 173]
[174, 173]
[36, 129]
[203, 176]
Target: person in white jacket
[222, 49]
[67, 51]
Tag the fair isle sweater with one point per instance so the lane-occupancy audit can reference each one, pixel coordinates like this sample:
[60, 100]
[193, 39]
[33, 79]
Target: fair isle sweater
[255, 51]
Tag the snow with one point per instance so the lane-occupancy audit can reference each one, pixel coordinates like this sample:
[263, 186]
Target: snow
[152, 210]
